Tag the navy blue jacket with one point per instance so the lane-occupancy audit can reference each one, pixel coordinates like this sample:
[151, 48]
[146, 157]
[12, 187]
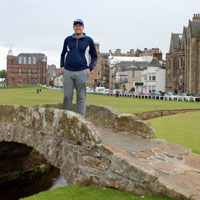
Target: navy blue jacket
[78, 51]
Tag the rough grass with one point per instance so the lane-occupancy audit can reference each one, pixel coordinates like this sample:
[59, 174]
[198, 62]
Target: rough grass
[74, 192]
[183, 129]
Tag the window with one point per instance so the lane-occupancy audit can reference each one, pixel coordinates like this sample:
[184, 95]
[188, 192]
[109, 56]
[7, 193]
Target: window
[168, 64]
[153, 88]
[168, 81]
[29, 60]
[180, 79]
[24, 60]
[133, 75]
[149, 76]
[34, 60]
[150, 88]
[180, 62]
[99, 73]
[153, 76]
[20, 60]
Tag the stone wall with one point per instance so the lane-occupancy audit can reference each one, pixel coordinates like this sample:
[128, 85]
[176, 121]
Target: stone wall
[160, 113]
[108, 117]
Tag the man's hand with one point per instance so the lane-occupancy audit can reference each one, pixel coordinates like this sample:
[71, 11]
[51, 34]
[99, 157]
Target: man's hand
[88, 71]
[62, 69]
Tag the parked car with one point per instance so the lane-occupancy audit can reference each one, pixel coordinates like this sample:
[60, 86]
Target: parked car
[170, 96]
[107, 91]
[156, 93]
[197, 97]
[116, 91]
[185, 97]
[111, 92]
[124, 93]
[144, 94]
[99, 90]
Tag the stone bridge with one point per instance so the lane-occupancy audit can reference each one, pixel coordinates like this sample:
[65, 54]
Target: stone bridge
[111, 149]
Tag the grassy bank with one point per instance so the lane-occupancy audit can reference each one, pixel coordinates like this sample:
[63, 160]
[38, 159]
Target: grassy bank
[183, 129]
[75, 192]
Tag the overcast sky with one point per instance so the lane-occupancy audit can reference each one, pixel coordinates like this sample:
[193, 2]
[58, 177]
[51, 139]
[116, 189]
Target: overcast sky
[40, 26]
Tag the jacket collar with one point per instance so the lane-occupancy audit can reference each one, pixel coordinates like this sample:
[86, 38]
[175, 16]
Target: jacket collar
[73, 36]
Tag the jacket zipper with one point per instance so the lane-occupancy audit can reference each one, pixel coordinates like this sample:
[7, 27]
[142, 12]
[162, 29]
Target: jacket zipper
[76, 43]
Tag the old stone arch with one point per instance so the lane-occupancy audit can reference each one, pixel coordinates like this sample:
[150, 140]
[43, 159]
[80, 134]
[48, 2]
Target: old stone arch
[66, 139]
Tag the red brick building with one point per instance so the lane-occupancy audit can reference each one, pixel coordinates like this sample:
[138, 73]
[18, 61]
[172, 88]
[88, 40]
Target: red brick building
[26, 68]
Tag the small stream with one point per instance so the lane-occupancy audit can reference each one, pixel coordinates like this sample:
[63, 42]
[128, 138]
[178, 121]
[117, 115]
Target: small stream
[49, 180]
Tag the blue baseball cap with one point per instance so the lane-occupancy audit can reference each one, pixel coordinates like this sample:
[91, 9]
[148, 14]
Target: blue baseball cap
[78, 21]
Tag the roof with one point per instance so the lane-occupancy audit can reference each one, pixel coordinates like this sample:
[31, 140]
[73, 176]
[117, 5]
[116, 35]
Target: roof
[186, 31]
[118, 59]
[155, 63]
[40, 56]
[10, 52]
[131, 66]
[105, 55]
[195, 28]
[176, 40]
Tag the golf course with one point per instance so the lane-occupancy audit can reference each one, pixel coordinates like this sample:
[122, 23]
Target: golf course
[181, 129]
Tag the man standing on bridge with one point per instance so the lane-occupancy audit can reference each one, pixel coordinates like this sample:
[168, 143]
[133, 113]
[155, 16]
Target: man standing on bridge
[77, 66]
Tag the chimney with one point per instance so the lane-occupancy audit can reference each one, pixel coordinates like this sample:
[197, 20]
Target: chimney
[110, 52]
[158, 55]
[131, 53]
[196, 17]
[118, 52]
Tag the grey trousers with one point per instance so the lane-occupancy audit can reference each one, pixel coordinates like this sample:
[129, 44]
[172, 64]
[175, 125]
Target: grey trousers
[75, 80]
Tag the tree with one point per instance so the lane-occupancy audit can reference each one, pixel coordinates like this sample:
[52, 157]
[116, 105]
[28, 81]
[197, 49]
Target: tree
[3, 74]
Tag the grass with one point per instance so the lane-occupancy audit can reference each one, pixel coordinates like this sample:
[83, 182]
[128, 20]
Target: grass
[28, 96]
[183, 129]
[74, 192]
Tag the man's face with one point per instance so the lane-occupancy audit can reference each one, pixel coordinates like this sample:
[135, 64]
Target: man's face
[78, 28]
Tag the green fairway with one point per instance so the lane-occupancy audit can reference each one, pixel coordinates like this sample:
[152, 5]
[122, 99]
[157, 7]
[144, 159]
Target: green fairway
[73, 192]
[183, 129]
[28, 96]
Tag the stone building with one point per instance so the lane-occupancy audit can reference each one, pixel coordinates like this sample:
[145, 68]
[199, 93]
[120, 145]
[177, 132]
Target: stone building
[155, 52]
[136, 58]
[52, 72]
[100, 74]
[58, 81]
[127, 75]
[26, 68]
[183, 59]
